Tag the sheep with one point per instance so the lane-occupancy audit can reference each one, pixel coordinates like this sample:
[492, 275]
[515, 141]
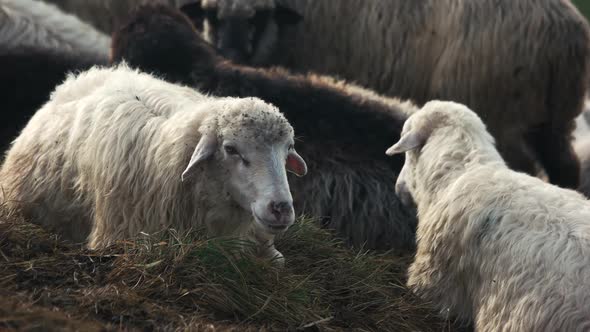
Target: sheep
[39, 44]
[500, 248]
[523, 66]
[106, 158]
[344, 128]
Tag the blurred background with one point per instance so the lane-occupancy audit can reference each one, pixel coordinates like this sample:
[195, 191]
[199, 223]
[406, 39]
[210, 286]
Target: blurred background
[584, 6]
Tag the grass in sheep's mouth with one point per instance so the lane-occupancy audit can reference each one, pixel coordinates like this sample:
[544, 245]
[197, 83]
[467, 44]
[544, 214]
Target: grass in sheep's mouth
[176, 282]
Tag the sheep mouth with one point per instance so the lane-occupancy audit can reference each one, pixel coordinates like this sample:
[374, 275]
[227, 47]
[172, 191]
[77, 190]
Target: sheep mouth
[270, 227]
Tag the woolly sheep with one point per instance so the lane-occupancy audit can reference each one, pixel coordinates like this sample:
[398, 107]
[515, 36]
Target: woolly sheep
[344, 129]
[505, 59]
[104, 158]
[497, 247]
[39, 44]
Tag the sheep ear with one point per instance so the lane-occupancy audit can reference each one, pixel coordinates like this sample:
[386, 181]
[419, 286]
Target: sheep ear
[204, 150]
[285, 15]
[407, 142]
[296, 164]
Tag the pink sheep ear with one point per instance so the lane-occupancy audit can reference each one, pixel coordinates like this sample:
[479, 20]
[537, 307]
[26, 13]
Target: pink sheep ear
[296, 164]
[407, 142]
[204, 150]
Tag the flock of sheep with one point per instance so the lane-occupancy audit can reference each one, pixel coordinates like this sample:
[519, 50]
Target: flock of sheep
[129, 116]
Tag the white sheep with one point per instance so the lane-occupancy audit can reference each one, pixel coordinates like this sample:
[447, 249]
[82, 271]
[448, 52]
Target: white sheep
[496, 247]
[104, 159]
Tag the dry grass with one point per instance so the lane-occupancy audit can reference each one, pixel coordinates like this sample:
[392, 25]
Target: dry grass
[173, 281]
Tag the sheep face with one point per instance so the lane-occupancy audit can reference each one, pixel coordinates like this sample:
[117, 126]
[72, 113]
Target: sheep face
[252, 145]
[258, 179]
[244, 31]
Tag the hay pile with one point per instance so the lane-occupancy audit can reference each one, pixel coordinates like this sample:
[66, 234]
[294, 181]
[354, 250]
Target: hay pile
[176, 281]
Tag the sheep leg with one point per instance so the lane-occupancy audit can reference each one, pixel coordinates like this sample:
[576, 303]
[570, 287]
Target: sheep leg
[556, 154]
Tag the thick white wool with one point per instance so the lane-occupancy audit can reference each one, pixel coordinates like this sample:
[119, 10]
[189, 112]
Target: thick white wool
[501, 248]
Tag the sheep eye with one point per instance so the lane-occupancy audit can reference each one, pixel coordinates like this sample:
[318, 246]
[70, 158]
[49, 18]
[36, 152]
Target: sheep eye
[230, 150]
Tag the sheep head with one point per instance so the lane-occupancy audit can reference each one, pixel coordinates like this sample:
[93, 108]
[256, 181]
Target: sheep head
[445, 120]
[244, 31]
[252, 145]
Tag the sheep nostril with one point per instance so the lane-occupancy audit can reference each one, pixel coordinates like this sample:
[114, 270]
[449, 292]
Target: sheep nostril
[278, 209]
